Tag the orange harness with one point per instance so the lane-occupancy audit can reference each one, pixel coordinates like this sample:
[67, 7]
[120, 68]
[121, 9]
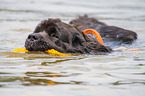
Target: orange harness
[95, 33]
[99, 38]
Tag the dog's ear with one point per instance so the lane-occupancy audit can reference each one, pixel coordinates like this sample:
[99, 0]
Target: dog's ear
[96, 48]
[88, 44]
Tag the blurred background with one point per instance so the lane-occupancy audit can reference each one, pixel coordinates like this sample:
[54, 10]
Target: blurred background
[19, 17]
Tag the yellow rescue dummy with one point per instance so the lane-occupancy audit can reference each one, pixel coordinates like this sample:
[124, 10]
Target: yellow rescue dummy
[50, 51]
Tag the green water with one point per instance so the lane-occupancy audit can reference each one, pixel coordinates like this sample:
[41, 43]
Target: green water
[39, 74]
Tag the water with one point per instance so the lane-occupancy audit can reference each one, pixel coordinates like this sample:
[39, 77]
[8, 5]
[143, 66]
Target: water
[115, 74]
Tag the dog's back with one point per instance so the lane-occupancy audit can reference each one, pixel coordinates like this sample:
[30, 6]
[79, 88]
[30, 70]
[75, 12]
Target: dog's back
[110, 33]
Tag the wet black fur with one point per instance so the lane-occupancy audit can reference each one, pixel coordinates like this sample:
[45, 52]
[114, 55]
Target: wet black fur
[108, 32]
[68, 38]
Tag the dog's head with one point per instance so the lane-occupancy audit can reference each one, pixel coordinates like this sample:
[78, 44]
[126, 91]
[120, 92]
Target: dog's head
[54, 34]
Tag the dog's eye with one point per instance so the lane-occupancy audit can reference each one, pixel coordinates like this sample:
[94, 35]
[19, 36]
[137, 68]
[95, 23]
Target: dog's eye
[54, 35]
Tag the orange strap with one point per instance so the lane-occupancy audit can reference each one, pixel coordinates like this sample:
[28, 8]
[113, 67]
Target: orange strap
[94, 32]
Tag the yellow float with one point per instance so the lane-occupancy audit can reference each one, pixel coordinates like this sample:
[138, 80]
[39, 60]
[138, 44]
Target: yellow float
[50, 51]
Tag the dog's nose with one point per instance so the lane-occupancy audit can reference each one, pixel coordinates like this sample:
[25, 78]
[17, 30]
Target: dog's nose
[33, 37]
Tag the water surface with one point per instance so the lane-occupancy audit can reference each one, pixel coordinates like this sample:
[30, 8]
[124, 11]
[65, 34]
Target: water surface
[115, 74]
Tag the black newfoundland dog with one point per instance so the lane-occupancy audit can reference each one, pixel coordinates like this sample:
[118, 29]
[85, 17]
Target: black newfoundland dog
[69, 38]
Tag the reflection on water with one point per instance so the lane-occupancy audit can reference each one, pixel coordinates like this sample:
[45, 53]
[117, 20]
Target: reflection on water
[127, 83]
[115, 74]
[36, 78]
[58, 61]
[61, 70]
